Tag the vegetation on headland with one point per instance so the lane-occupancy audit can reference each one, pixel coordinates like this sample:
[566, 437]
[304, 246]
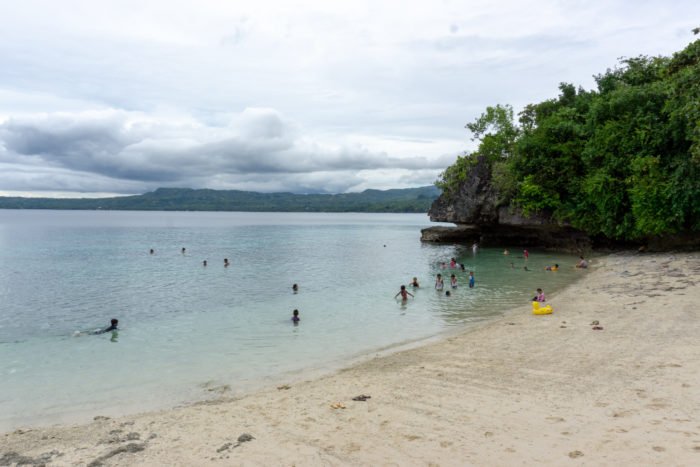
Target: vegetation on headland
[409, 200]
[622, 160]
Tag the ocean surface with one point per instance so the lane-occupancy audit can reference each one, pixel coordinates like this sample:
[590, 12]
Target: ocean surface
[189, 332]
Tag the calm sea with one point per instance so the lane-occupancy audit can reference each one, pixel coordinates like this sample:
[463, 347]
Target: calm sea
[189, 332]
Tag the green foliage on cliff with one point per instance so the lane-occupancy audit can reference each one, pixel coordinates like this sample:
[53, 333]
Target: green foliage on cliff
[415, 200]
[622, 160]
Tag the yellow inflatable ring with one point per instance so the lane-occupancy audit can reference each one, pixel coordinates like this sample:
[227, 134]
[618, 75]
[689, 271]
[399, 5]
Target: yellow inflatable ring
[541, 310]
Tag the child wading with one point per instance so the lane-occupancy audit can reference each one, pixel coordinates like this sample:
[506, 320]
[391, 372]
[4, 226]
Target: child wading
[404, 293]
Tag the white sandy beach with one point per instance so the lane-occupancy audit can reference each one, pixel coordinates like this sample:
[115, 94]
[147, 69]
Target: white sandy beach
[521, 390]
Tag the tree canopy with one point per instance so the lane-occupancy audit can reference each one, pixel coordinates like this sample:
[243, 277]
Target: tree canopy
[622, 160]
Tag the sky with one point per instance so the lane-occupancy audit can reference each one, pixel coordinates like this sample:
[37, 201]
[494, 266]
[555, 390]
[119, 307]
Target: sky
[101, 98]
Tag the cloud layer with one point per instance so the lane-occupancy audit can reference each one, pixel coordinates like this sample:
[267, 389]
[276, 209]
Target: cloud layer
[311, 96]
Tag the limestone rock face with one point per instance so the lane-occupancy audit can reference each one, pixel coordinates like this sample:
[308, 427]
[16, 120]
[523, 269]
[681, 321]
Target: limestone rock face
[474, 203]
[474, 207]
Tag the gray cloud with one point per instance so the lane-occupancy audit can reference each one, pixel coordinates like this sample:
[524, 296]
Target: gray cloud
[256, 145]
[337, 95]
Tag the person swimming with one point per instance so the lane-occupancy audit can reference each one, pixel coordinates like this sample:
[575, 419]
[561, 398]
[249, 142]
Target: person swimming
[152, 251]
[183, 250]
[112, 327]
[404, 293]
[226, 263]
[295, 317]
[552, 268]
[204, 263]
[447, 293]
[453, 263]
[414, 283]
[295, 288]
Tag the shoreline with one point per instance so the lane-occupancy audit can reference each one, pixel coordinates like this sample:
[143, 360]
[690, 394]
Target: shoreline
[515, 389]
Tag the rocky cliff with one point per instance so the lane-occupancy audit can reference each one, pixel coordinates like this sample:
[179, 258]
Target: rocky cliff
[479, 216]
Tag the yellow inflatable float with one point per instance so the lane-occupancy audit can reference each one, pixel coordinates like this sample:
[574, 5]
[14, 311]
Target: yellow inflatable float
[541, 310]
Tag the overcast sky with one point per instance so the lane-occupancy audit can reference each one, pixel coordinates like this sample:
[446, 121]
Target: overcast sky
[122, 97]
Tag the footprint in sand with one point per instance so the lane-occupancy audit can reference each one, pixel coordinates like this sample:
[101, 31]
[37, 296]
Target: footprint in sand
[575, 454]
[658, 448]
[555, 419]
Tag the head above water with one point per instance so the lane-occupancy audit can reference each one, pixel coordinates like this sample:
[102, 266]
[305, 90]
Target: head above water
[114, 321]
[295, 312]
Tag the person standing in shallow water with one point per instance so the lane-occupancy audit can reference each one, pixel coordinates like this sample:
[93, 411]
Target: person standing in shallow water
[471, 279]
[295, 317]
[439, 283]
[226, 263]
[183, 250]
[404, 293]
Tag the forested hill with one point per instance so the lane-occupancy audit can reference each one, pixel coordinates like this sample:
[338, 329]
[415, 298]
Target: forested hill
[415, 200]
[621, 161]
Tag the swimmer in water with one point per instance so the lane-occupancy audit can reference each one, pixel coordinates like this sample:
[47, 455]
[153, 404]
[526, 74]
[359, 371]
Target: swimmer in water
[447, 294]
[453, 281]
[226, 263]
[152, 251]
[552, 268]
[204, 263]
[439, 283]
[453, 263]
[295, 317]
[506, 252]
[112, 327]
[295, 288]
[404, 293]
[183, 250]
[414, 283]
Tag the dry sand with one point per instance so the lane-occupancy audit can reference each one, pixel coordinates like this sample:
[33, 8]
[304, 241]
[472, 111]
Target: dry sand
[520, 390]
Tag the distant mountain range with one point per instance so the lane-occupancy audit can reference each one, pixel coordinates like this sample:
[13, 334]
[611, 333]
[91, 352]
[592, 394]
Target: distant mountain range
[414, 200]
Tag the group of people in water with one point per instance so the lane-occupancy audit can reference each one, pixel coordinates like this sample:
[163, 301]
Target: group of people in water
[439, 281]
[404, 294]
[204, 262]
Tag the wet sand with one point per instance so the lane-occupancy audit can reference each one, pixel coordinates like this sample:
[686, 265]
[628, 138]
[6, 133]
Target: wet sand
[522, 389]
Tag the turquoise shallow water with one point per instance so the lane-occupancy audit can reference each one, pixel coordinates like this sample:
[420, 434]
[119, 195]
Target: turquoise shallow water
[186, 329]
